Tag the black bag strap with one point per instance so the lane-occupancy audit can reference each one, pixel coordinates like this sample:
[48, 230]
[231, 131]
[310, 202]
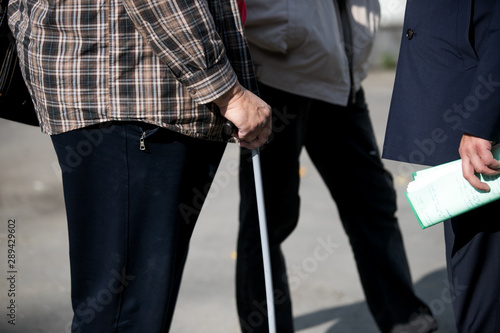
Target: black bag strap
[15, 100]
[4, 29]
[8, 60]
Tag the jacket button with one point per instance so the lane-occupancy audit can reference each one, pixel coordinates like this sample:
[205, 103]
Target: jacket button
[409, 34]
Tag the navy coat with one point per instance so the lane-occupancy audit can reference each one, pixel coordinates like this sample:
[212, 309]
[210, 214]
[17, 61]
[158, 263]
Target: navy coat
[447, 80]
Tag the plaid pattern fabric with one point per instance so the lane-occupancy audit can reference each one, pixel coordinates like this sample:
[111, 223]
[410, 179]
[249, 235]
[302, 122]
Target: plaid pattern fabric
[158, 61]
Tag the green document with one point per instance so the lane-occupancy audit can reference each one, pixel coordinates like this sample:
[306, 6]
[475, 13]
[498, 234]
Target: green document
[441, 192]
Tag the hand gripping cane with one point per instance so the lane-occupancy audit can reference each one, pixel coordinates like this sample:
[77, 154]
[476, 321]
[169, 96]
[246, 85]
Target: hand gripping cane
[266, 257]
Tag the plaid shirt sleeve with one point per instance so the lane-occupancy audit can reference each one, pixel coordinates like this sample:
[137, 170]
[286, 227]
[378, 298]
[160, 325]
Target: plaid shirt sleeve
[183, 34]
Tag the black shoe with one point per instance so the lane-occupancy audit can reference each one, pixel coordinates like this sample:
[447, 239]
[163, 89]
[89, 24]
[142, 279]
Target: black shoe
[423, 323]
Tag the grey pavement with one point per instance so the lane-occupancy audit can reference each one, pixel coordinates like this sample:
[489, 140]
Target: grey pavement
[326, 290]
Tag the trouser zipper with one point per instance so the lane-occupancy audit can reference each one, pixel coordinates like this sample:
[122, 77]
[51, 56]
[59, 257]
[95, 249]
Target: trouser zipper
[146, 132]
[142, 143]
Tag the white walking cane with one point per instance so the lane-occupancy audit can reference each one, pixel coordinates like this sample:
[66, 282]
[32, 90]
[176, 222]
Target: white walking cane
[264, 239]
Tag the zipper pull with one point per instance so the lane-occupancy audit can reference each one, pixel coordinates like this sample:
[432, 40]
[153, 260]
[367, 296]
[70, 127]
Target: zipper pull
[142, 144]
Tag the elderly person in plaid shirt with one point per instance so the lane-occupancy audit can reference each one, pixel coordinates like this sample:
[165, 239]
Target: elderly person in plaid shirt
[135, 95]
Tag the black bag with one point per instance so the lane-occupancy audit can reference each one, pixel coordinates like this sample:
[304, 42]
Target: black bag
[15, 100]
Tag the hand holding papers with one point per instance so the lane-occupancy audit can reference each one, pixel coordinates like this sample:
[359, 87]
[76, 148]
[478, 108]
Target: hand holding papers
[441, 192]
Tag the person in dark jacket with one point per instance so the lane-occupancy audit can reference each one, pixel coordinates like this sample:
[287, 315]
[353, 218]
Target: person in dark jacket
[446, 106]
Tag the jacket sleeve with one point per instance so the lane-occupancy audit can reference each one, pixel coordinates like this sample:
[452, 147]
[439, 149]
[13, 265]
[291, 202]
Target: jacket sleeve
[483, 102]
[183, 35]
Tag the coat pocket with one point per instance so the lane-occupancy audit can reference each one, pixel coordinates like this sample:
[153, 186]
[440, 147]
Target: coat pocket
[267, 24]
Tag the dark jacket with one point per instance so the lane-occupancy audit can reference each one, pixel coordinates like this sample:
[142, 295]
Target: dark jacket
[447, 80]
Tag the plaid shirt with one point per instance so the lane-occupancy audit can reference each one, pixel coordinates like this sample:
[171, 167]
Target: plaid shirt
[157, 61]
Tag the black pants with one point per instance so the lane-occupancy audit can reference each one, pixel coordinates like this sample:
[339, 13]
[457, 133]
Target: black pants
[473, 262]
[130, 216]
[341, 144]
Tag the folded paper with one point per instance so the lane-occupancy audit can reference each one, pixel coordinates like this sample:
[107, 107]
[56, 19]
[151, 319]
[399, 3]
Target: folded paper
[441, 192]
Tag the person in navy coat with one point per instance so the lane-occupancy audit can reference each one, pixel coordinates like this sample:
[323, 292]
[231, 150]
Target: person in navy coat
[445, 106]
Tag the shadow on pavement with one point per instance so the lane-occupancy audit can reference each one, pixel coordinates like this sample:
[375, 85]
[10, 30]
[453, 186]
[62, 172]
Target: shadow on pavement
[432, 288]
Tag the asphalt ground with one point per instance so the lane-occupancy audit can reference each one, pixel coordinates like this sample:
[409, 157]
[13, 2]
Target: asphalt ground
[327, 295]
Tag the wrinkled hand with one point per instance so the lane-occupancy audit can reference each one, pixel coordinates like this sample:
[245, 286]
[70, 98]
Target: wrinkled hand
[250, 114]
[477, 157]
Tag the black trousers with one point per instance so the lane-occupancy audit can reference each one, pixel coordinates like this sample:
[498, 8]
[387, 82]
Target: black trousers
[473, 263]
[130, 216]
[341, 144]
